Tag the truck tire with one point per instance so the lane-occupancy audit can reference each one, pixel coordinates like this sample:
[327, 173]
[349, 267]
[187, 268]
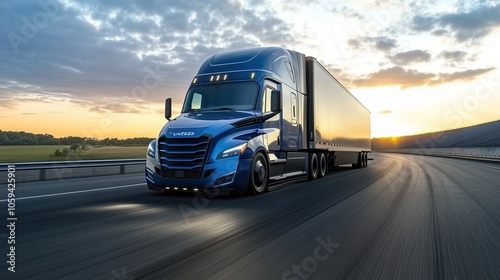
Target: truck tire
[313, 166]
[259, 175]
[366, 159]
[359, 163]
[323, 165]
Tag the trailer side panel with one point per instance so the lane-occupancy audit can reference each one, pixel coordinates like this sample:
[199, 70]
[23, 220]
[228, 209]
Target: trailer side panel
[337, 120]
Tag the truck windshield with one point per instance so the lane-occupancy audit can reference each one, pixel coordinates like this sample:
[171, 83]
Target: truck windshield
[230, 96]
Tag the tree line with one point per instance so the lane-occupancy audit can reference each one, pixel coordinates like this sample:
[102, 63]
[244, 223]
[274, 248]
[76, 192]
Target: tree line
[9, 138]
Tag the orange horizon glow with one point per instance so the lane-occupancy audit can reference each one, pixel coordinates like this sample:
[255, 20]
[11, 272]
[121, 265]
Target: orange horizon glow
[81, 123]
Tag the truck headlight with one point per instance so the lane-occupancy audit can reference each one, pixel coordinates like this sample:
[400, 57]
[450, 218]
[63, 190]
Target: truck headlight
[233, 152]
[152, 149]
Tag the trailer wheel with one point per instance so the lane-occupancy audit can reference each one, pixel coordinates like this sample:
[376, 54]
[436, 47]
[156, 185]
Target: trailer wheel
[359, 163]
[259, 175]
[323, 166]
[313, 166]
[366, 159]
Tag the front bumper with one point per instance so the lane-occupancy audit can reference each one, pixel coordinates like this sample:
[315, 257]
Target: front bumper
[226, 176]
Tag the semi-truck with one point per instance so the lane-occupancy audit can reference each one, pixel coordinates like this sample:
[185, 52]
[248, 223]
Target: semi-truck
[254, 117]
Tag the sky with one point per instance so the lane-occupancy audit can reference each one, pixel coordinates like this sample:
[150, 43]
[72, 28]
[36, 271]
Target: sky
[104, 68]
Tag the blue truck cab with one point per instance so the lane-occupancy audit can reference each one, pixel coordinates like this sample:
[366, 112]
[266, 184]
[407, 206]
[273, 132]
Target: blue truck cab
[243, 124]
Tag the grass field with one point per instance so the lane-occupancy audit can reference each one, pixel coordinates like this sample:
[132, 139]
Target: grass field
[13, 154]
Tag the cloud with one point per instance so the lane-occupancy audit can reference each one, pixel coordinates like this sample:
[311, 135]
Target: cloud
[455, 56]
[7, 103]
[120, 49]
[464, 26]
[385, 44]
[423, 23]
[395, 76]
[354, 43]
[120, 108]
[466, 75]
[29, 96]
[381, 43]
[474, 24]
[114, 105]
[385, 112]
[297, 5]
[409, 57]
[405, 78]
[440, 32]
[351, 13]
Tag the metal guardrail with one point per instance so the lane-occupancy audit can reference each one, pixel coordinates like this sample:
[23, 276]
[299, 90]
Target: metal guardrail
[473, 157]
[70, 164]
[464, 153]
[68, 169]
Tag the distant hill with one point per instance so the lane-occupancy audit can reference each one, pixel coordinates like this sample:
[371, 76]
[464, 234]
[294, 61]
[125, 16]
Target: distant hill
[482, 135]
[14, 138]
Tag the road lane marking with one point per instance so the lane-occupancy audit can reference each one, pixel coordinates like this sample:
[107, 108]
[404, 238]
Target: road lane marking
[74, 192]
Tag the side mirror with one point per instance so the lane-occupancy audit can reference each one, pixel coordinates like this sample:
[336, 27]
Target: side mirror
[168, 108]
[276, 101]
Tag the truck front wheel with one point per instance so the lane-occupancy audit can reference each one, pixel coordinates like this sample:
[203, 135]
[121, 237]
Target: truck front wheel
[259, 175]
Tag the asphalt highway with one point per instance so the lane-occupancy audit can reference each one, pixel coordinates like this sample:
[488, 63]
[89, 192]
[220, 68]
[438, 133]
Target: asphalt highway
[403, 217]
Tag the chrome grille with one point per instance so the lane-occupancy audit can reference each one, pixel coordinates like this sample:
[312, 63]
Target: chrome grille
[182, 157]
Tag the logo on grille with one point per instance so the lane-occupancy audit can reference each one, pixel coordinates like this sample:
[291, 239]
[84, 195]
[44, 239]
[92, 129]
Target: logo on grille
[183, 133]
